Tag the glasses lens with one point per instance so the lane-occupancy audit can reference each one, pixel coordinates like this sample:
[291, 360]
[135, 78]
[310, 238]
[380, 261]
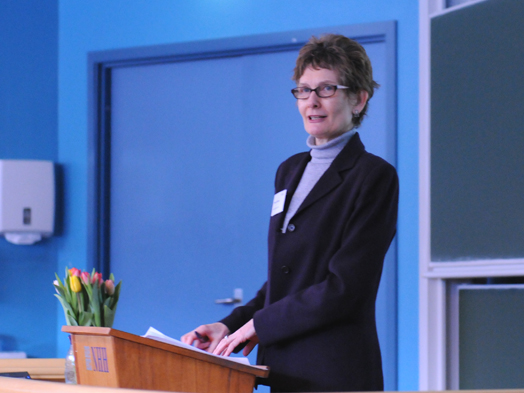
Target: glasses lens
[301, 92]
[325, 91]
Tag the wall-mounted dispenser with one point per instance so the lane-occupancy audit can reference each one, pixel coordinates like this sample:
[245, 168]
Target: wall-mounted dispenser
[27, 200]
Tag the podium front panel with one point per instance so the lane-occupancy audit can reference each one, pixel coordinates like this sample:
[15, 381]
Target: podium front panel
[106, 360]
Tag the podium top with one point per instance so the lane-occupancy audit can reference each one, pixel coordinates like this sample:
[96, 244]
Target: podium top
[259, 371]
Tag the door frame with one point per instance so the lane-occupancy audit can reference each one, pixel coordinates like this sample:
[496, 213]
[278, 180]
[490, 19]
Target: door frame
[100, 66]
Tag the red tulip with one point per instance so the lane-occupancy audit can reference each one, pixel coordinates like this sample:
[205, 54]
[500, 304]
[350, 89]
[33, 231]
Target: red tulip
[85, 277]
[97, 277]
[74, 272]
[110, 287]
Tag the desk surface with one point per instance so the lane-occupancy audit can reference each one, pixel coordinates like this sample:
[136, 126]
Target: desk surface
[40, 369]
[18, 385]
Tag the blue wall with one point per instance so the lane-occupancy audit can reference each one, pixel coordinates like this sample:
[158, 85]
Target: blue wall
[92, 25]
[28, 130]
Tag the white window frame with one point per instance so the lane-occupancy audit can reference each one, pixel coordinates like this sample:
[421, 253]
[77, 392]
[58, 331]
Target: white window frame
[434, 276]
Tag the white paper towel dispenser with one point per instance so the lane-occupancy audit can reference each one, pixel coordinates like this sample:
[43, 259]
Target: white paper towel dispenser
[27, 200]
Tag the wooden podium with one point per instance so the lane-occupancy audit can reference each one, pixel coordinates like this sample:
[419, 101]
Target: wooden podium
[112, 358]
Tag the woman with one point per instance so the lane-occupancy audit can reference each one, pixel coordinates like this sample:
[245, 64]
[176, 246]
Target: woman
[333, 218]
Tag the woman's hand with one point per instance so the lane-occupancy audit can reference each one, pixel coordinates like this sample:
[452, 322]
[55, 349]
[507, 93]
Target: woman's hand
[229, 343]
[210, 336]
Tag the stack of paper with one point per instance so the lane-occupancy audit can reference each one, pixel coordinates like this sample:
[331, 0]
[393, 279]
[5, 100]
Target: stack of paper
[154, 334]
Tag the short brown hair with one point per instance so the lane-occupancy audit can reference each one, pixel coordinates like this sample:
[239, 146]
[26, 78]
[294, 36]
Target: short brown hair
[343, 55]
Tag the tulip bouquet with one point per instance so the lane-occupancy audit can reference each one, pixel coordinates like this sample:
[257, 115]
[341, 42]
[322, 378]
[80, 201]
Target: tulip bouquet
[87, 299]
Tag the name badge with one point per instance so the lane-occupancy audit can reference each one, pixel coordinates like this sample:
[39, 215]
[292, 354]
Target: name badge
[278, 202]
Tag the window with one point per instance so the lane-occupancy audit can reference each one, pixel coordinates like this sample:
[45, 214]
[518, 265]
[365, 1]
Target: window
[458, 43]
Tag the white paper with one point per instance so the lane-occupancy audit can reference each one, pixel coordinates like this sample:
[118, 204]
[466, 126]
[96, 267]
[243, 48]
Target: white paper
[278, 202]
[154, 334]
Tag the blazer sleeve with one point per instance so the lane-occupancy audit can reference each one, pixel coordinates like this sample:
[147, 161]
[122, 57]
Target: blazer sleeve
[354, 270]
[242, 314]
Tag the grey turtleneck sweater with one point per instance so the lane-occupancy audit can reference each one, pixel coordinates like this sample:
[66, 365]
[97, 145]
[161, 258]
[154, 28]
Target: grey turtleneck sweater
[321, 158]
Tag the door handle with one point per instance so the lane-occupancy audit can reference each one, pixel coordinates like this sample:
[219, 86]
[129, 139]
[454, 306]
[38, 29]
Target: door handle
[238, 296]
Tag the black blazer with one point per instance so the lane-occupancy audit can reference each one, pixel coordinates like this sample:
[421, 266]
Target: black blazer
[315, 315]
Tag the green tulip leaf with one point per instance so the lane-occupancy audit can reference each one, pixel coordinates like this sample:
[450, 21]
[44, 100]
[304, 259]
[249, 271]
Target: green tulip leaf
[109, 317]
[59, 281]
[94, 302]
[74, 302]
[85, 319]
[72, 319]
[65, 305]
[88, 289]
[101, 294]
[65, 288]
[60, 290]
[115, 297]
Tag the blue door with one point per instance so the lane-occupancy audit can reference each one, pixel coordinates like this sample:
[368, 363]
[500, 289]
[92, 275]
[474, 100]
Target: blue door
[194, 149]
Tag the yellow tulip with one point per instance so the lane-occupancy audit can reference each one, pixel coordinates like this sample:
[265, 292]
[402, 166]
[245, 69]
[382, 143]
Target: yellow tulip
[75, 284]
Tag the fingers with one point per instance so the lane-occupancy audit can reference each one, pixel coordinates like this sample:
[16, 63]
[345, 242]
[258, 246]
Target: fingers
[219, 349]
[203, 346]
[212, 345]
[249, 347]
[206, 337]
[213, 338]
[228, 344]
[198, 337]
[189, 338]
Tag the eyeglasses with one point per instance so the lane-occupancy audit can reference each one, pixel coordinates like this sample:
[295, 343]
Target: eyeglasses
[322, 91]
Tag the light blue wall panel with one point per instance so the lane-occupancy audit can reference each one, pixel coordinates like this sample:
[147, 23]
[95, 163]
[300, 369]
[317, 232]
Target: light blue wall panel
[99, 25]
[28, 130]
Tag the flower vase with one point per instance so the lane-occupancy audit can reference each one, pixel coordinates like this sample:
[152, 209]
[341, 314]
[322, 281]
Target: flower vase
[70, 368]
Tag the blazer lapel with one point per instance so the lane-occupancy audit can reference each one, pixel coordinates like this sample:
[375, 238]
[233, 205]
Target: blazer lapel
[291, 185]
[345, 160]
